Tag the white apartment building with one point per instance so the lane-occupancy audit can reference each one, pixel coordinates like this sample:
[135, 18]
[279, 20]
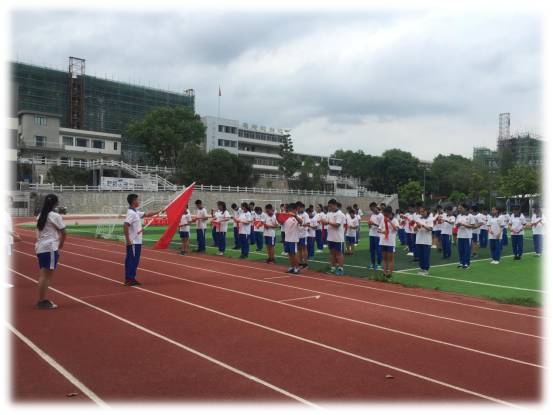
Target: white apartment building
[257, 143]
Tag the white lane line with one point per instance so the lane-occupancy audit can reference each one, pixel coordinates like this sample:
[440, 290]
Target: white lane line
[303, 339]
[315, 292]
[300, 298]
[474, 282]
[344, 283]
[364, 323]
[52, 362]
[367, 287]
[275, 278]
[173, 342]
[453, 263]
[9, 285]
[109, 295]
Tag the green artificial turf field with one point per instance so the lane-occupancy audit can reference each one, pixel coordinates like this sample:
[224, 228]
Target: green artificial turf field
[515, 282]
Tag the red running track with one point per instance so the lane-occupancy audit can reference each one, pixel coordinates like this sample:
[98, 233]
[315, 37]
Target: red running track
[340, 346]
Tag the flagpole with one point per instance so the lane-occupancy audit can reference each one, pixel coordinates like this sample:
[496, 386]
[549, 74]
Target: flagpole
[219, 103]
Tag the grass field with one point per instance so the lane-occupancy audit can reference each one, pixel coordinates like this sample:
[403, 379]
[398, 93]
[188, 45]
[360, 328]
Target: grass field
[515, 282]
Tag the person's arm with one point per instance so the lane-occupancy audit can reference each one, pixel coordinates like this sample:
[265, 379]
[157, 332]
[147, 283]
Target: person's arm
[63, 235]
[126, 232]
[150, 214]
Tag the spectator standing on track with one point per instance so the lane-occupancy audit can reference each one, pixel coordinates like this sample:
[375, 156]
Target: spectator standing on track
[494, 234]
[517, 223]
[222, 218]
[244, 221]
[269, 232]
[201, 225]
[184, 230]
[132, 227]
[335, 221]
[50, 239]
[536, 223]
[388, 231]
[465, 224]
[291, 228]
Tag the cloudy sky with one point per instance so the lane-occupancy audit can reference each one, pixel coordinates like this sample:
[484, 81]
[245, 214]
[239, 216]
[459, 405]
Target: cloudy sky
[428, 82]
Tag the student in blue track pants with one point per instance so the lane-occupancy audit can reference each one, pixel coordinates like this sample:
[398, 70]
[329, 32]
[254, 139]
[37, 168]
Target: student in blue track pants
[465, 224]
[517, 222]
[495, 234]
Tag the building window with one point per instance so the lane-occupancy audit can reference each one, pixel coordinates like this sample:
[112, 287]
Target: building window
[226, 143]
[101, 144]
[81, 142]
[221, 128]
[40, 120]
[115, 145]
[68, 141]
[40, 140]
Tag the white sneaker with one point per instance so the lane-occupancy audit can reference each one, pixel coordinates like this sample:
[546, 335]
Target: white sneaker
[220, 253]
[423, 273]
[318, 251]
[494, 262]
[410, 254]
[434, 246]
[283, 253]
[537, 254]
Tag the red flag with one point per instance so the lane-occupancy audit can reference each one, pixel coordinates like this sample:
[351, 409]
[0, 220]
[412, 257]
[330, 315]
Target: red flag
[174, 211]
[283, 217]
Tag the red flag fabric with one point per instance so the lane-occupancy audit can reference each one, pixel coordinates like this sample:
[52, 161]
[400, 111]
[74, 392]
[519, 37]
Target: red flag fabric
[282, 217]
[174, 211]
[258, 223]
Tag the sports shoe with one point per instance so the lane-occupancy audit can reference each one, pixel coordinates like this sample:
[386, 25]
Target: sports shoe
[46, 305]
[537, 255]
[410, 254]
[220, 253]
[295, 271]
[182, 253]
[319, 251]
[434, 246]
[466, 267]
[460, 266]
[332, 271]
[290, 270]
[494, 262]
[339, 271]
[283, 253]
[423, 273]
[132, 282]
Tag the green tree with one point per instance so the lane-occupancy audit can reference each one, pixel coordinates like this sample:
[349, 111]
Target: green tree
[520, 180]
[69, 176]
[410, 192]
[450, 174]
[457, 197]
[289, 164]
[396, 168]
[165, 131]
[191, 165]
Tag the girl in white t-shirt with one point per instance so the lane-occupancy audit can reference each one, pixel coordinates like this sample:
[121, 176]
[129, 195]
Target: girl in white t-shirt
[184, 230]
[352, 223]
[388, 230]
[517, 223]
[222, 218]
[244, 228]
[494, 235]
[50, 239]
[536, 223]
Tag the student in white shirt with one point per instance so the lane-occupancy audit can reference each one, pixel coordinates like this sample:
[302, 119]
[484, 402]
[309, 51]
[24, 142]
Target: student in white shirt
[201, 225]
[494, 234]
[258, 221]
[291, 228]
[10, 235]
[311, 232]
[132, 228]
[448, 220]
[269, 232]
[282, 236]
[484, 217]
[517, 223]
[465, 223]
[437, 228]
[184, 230]
[388, 231]
[245, 226]
[478, 222]
[50, 240]
[536, 223]
[222, 219]
[375, 220]
[235, 215]
[320, 216]
[423, 240]
[335, 221]
[302, 243]
[352, 223]
[358, 213]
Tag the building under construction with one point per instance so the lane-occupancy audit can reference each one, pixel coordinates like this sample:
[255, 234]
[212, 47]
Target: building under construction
[87, 102]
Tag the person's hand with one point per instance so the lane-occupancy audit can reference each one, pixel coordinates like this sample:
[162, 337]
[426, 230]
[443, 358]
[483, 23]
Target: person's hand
[128, 242]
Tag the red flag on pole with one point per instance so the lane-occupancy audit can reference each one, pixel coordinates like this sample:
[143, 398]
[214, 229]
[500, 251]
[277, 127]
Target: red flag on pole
[174, 211]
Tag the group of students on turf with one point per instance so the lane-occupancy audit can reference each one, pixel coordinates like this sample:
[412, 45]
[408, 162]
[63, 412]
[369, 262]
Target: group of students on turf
[304, 229]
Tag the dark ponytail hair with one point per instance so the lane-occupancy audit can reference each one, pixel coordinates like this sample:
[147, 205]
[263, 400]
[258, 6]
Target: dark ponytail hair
[50, 202]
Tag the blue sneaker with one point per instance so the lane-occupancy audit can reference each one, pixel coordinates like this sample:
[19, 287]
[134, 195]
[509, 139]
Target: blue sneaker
[339, 271]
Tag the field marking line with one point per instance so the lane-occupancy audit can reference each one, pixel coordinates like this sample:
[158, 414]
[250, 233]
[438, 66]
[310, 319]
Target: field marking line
[360, 322]
[453, 263]
[171, 341]
[59, 368]
[408, 310]
[300, 298]
[275, 278]
[474, 282]
[108, 243]
[9, 285]
[313, 342]
[108, 295]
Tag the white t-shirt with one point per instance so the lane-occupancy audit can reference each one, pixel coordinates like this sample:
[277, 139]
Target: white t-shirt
[235, 216]
[321, 216]
[447, 225]
[184, 225]
[352, 222]
[270, 220]
[517, 224]
[494, 227]
[291, 229]
[306, 220]
[408, 219]
[375, 220]
[223, 219]
[134, 220]
[537, 225]
[48, 239]
[479, 219]
[201, 218]
[438, 218]
[424, 236]
[313, 224]
[259, 217]
[391, 239]
[504, 220]
[335, 234]
[464, 219]
[245, 228]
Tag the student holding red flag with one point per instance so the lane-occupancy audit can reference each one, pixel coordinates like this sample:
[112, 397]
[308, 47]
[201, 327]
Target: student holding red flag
[388, 231]
[132, 228]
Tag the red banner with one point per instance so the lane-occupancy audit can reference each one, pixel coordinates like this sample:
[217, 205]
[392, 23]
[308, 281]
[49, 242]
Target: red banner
[174, 211]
